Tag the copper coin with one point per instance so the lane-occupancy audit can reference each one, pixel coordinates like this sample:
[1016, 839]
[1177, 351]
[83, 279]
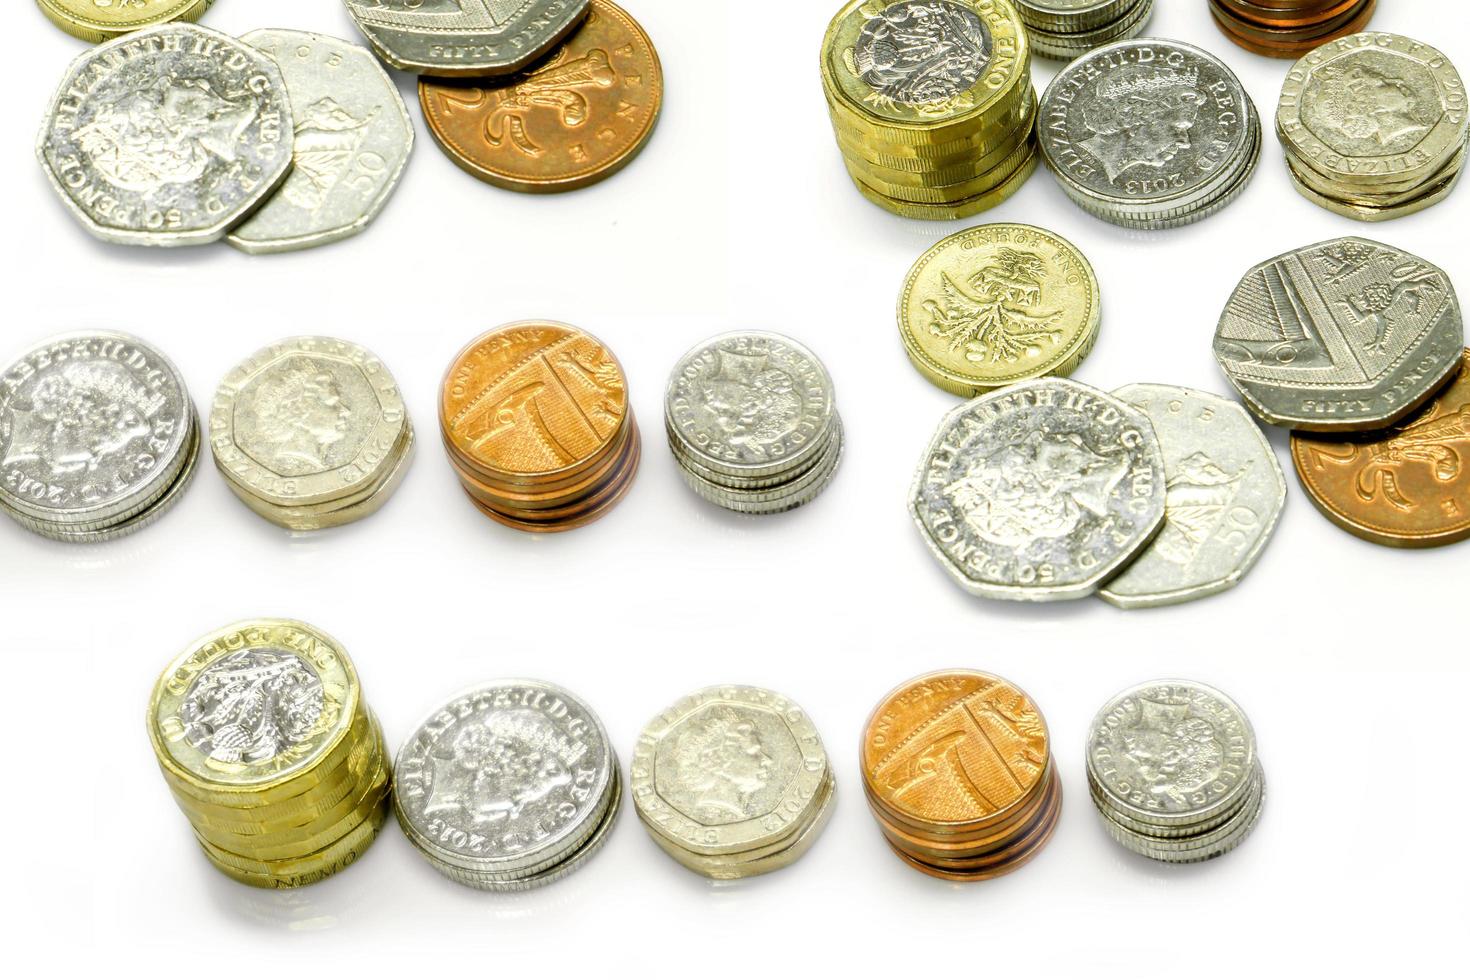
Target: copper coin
[1020, 856]
[1288, 43]
[577, 118]
[953, 749]
[558, 493]
[610, 487]
[1405, 487]
[600, 510]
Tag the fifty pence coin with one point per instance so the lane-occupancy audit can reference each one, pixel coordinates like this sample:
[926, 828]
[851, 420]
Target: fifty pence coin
[1344, 335]
[169, 136]
[1225, 494]
[1040, 491]
[352, 142]
[472, 38]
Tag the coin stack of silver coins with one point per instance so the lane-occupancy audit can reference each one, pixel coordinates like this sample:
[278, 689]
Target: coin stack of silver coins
[1173, 771]
[101, 437]
[1133, 139]
[509, 786]
[1374, 129]
[311, 433]
[1064, 29]
[752, 422]
[254, 105]
[732, 782]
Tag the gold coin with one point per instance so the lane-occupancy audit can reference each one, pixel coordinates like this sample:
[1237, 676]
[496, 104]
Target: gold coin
[302, 871]
[1369, 212]
[957, 209]
[945, 193]
[997, 304]
[102, 20]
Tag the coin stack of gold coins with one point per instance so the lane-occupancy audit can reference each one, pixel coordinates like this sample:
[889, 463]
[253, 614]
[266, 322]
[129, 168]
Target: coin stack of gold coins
[958, 772]
[264, 738]
[932, 103]
[537, 424]
[1365, 143]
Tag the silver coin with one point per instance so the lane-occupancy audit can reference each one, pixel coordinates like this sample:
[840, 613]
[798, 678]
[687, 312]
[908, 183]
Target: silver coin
[1145, 125]
[1171, 753]
[1344, 335]
[465, 37]
[1070, 44]
[750, 404]
[776, 499]
[1205, 846]
[923, 52]
[1069, 16]
[91, 426]
[352, 142]
[1040, 491]
[168, 136]
[504, 775]
[308, 421]
[1225, 494]
[729, 769]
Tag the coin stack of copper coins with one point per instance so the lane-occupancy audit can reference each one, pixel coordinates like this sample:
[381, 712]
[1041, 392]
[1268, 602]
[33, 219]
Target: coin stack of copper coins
[1289, 28]
[1063, 29]
[537, 424]
[732, 781]
[1173, 771]
[263, 736]
[958, 772]
[932, 103]
[1376, 130]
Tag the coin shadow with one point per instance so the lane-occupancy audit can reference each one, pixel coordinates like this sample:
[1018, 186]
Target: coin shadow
[317, 908]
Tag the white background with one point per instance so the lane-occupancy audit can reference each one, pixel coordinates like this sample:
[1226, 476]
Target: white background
[1349, 658]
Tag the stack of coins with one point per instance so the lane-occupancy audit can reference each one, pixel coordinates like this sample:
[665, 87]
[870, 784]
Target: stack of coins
[1374, 126]
[537, 424]
[1063, 29]
[1149, 134]
[311, 433]
[1173, 771]
[958, 772]
[752, 422]
[100, 437]
[101, 20]
[997, 304]
[264, 739]
[732, 781]
[508, 786]
[932, 103]
[1288, 28]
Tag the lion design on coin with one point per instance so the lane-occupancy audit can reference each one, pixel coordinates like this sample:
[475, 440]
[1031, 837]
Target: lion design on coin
[1042, 486]
[80, 415]
[300, 416]
[749, 401]
[498, 767]
[252, 706]
[1174, 752]
[169, 133]
[1143, 116]
[722, 765]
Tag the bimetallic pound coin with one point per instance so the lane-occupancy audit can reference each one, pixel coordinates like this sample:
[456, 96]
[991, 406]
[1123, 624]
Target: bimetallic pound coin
[1405, 487]
[1225, 495]
[352, 142]
[103, 20]
[576, 119]
[997, 304]
[1345, 335]
[1040, 491]
[473, 38]
[169, 136]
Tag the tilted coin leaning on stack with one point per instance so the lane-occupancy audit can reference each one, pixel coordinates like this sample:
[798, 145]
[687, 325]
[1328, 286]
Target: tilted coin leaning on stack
[264, 738]
[931, 102]
[1374, 126]
[1149, 134]
[99, 439]
[538, 426]
[959, 775]
[1287, 28]
[732, 781]
[1173, 771]
[752, 422]
[1065, 29]
[327, 106]
[476, 40]
[103, 20]
[997, 304]
[311, 433]
[508, 787]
